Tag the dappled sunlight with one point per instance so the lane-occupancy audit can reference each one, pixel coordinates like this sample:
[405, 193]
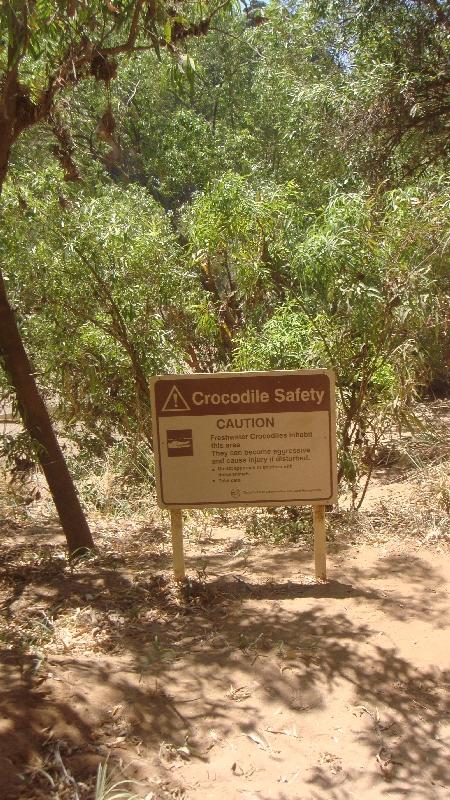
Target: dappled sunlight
[256, 653]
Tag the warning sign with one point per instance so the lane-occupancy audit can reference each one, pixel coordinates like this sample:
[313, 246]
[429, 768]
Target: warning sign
[175, 401]
[236, 439]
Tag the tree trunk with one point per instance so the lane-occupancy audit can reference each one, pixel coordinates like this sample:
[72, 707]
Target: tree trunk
[37, 422]
[17, 366]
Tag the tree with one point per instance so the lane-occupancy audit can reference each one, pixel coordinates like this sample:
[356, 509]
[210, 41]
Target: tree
[106, 299]
[48, 47]
[397, 54]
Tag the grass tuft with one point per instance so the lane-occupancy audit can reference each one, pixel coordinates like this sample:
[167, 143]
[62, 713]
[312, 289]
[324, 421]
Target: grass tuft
[106, 788]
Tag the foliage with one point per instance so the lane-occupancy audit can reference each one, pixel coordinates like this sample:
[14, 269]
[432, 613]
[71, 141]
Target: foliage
[398, 55]
[280, 526]
[270, 212]
[95, 287]
[364, 289]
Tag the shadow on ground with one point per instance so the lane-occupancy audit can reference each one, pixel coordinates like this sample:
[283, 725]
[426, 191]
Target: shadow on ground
[163, 656]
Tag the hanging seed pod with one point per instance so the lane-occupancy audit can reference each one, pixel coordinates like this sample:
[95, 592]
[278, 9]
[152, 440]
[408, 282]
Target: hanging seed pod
[64, 149]
[106, 125]
[103, 69]
[67, 163]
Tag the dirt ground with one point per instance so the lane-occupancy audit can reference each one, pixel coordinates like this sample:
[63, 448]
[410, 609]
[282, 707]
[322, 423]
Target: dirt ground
[254, 681]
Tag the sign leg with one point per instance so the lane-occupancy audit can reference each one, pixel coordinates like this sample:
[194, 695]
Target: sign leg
[320, 546]
[176, 526]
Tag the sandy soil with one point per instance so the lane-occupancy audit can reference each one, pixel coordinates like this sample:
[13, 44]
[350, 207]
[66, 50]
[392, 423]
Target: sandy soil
[256, 683]
[253, 682]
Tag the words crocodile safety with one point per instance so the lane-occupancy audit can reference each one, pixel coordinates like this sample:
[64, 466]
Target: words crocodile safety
[236, 439]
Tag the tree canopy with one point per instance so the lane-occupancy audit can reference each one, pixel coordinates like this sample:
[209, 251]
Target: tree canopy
[274, 194]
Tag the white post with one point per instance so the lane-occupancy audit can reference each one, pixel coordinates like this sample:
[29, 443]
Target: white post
[320, 544]
[176, 526]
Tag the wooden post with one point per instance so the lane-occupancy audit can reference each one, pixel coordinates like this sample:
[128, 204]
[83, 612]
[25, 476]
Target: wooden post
[320, 545]
[176, 526]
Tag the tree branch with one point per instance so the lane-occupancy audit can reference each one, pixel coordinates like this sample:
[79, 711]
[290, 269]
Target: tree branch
[127, 46]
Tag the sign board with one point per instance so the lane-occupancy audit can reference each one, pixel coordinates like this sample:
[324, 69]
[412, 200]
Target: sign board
[238, 439]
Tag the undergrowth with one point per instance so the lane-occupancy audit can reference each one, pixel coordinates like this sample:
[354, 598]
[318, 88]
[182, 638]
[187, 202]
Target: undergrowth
[280, 525]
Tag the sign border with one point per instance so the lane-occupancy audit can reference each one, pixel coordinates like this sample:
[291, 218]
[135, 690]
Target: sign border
[180, 377]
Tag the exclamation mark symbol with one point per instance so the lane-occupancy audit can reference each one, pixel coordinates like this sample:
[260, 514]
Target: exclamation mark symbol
[175, 401]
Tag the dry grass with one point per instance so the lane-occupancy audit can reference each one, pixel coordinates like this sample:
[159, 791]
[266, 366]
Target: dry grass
[425, 515]
[426, 444]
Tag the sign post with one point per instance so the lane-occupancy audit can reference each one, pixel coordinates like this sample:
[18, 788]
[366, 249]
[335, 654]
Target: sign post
[245, 439]
[176, 525]
[320, 543]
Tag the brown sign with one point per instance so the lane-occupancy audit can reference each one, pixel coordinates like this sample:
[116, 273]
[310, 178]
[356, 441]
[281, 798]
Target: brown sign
[232, 439]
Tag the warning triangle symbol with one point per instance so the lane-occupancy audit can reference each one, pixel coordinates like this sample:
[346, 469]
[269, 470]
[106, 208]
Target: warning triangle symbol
[175, 401]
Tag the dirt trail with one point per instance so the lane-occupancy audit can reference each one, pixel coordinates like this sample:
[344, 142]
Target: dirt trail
[256, 683]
